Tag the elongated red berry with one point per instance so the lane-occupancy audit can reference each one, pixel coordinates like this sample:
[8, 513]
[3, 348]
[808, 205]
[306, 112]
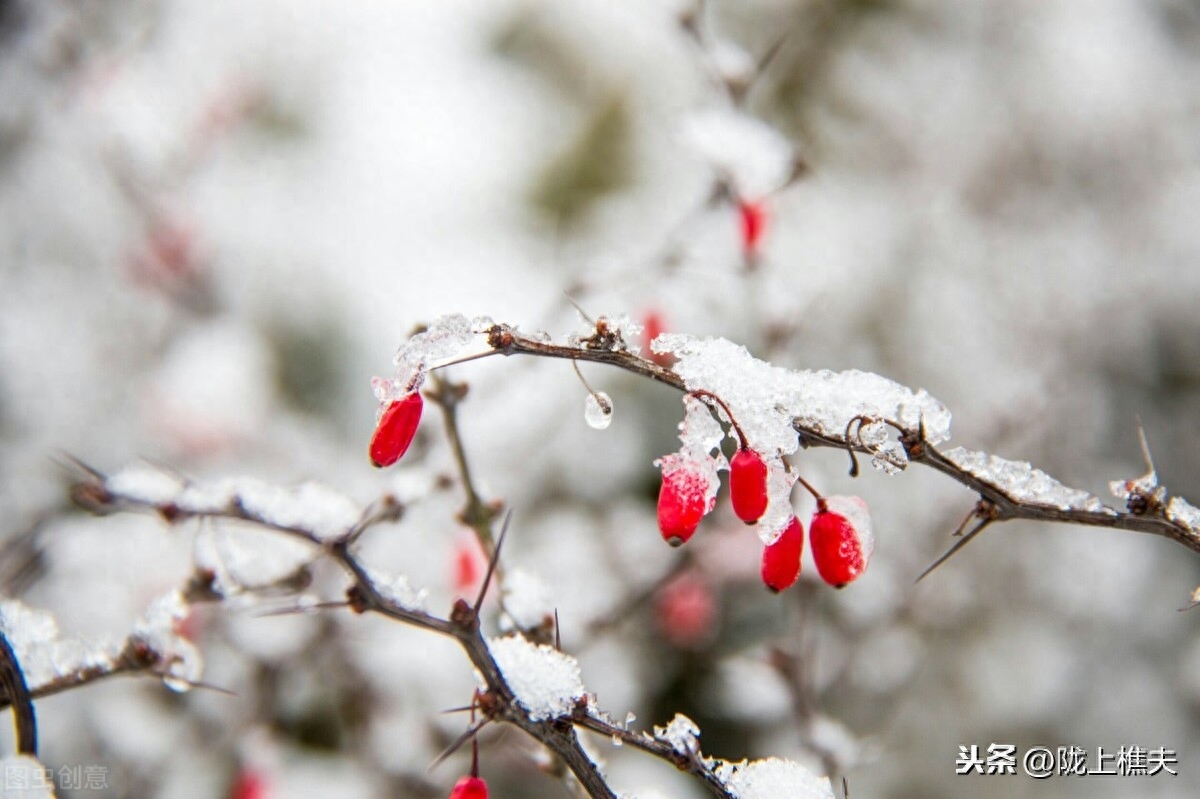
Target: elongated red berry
[781, 559]
[748, 485]
[752, 216]
[469, 788]
[396, 429]
[249, 785]
[682, 500]
[842, 539]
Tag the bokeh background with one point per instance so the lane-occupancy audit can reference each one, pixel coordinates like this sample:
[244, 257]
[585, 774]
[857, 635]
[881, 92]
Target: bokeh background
[218, 220]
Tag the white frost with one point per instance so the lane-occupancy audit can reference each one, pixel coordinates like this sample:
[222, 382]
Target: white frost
[1021, 482]
[768, 399]
[773, 778]
[545, 681]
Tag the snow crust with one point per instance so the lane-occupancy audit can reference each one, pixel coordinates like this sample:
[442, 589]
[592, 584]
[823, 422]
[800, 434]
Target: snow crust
[773, 778]
[1021, 482]
[399, 591]
[25, 777]
[546, 682]
[181, 664]
[768, 399]
[42, 653]
[682, 733]
[1181, 512]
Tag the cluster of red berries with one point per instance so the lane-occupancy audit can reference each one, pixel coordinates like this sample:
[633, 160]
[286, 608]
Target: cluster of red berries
[842, 541]
[840, 529]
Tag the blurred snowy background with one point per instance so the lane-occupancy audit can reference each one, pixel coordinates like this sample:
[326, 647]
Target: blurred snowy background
[218, 220]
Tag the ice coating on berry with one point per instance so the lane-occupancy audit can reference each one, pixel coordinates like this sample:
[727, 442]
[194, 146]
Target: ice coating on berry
[781, 560]
[687, 493]
[469, 788]
[598, 410]
[768, 400]
[748, 485]
[842, 539]
[396, 430]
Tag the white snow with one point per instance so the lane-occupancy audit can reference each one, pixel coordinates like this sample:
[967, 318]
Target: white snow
[1021, 482]
[682, 733]
[750, 153]
[310, 506]
[41, 653]
[527, 601]
[773, 778]
[1181, 512]
[545, 682]
[399, 591]
[181, 664]
[768, 400]
[144, 483]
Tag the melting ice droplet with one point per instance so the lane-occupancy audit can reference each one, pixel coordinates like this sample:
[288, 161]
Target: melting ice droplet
[598, 410]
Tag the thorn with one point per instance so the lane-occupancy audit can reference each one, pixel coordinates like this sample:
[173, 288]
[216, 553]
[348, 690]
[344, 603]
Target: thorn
[460, 709]
[302, 609]
[845, 789]
[468, 735]
[1145, 447]
[582, 312]
[962, 542]
[68, 461]
[1193, 602]
[557, 637]
[492, 561]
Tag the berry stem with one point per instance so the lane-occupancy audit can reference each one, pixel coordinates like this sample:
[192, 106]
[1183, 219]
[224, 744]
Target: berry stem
[821, 505]
[706, 395]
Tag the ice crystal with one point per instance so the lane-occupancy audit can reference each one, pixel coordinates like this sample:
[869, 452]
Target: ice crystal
[682, 733]
[1180, 512]
[446, 337]
[1021, 482]
[41, 652]
[598, 410]
[544, 681]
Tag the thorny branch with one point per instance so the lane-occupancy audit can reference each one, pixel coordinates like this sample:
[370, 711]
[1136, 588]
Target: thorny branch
[497, 701]
[997, 505]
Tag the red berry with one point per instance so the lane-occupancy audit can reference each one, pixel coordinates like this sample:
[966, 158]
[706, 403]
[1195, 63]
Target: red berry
[653, 325]
[396, 429]
[748, 485]
[842, 539]
[753, 218]
[469, 788]
[248, 785]
[682, 499]
[781, 559]
[685, 610]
